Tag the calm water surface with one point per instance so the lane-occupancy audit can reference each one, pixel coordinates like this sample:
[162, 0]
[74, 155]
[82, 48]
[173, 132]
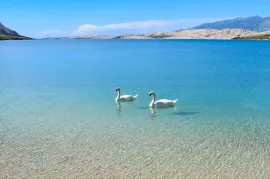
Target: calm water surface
[58, 117]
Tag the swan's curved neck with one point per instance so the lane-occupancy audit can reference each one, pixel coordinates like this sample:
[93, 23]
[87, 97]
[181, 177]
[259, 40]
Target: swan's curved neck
[118, 94]
[153, 100]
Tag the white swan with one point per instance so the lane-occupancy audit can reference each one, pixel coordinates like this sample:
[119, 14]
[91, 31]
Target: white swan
[162, 103]
[124, 98]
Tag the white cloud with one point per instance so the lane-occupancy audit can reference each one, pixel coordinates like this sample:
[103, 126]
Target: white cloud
[127, 25]
[49, 32]
[149, 24]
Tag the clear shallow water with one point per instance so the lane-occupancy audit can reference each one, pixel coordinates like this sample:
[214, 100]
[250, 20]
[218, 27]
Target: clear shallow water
[58, 118]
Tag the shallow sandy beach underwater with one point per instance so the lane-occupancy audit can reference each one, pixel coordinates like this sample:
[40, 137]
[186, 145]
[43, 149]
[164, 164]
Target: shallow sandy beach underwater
[58, 118]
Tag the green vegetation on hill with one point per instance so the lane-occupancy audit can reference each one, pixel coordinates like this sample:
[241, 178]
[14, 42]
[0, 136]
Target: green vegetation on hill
[10, 37]
[159, 36]
[262, 36]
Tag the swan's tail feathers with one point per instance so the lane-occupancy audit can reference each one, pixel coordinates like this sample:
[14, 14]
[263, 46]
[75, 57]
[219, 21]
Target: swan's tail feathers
[135, 97]
[175, 101]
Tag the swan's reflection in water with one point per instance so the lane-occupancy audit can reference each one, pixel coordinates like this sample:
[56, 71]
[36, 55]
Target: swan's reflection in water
[118, 109]
[153, 113]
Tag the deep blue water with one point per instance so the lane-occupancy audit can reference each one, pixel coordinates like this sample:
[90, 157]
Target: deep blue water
[67, 88]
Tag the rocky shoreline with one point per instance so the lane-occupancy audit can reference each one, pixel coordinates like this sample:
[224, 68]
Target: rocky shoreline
[184, 34]
[256, 36]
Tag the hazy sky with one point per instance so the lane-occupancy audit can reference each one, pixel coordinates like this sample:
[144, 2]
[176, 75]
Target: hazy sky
[42, 18]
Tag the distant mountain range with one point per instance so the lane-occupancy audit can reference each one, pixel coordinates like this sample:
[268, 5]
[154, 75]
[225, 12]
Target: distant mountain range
[253, 23]
[8, 34]
[239, 28]
[254, 27]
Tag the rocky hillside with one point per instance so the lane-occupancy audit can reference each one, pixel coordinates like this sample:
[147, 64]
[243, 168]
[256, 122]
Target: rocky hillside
[184, 34]
[254, 23]
[193, 34]
[8, 34]
[6, 31]
[211, 34]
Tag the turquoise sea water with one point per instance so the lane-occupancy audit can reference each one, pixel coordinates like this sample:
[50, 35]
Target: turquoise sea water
[58, 117]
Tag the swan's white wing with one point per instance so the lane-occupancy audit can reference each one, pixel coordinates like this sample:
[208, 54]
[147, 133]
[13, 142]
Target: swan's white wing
[165, 103]
[127, 98]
